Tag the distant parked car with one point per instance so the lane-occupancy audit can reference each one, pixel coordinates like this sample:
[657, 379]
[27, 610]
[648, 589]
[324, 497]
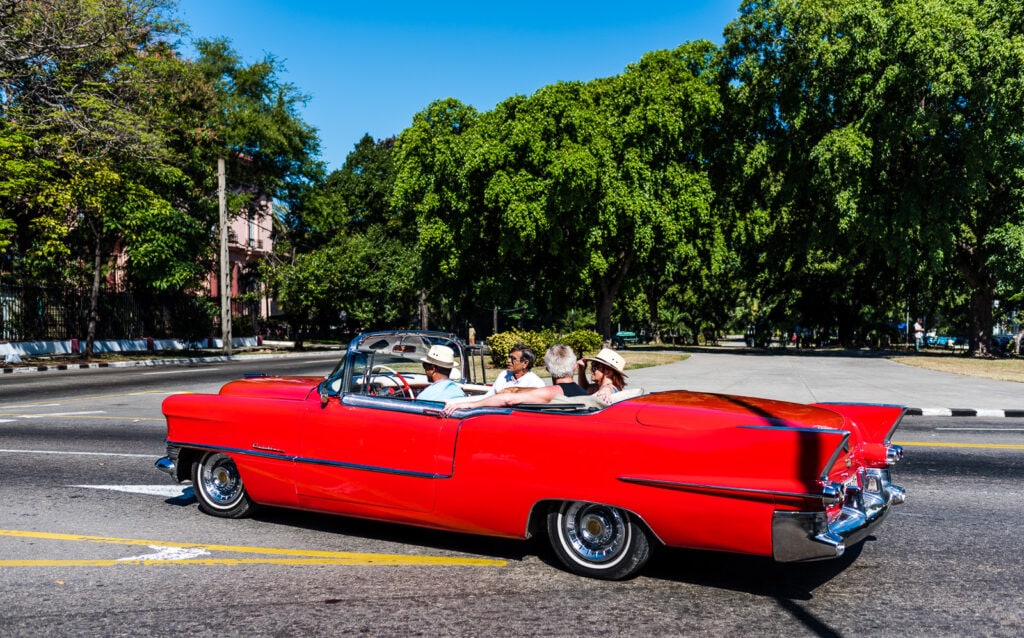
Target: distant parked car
[624, 338]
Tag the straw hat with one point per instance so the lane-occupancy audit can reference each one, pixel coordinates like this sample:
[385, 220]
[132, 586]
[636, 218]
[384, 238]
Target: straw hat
[611, 359]
[440, 356]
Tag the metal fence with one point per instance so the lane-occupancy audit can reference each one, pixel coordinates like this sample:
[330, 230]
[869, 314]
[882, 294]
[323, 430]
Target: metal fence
[43, 314]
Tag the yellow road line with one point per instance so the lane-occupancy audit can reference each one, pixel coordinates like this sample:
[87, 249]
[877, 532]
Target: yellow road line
[355, 559]
[310, 557]
[978, 446]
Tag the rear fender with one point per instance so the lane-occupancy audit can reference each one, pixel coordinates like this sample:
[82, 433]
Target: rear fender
[876, 422]
[871, 428]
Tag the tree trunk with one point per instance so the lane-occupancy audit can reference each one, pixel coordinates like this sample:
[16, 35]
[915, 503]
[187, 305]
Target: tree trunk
[94, 300]
[608, 292]
[980, 339]
[424, 314]
[605, 301]
[653, 300]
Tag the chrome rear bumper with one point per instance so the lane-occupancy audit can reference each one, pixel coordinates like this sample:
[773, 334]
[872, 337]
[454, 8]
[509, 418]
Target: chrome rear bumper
[166, 465]
[807, 536]
[169, 463]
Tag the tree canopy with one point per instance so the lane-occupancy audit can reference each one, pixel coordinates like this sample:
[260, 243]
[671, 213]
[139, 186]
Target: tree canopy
[839, 164]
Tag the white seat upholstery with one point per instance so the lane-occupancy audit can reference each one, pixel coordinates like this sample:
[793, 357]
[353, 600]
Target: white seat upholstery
[622, 395]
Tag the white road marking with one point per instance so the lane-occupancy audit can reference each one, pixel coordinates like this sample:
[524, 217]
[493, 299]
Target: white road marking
[188, 370]
[41, 416]
[170, 553]
[29, 405]
[170, 491]
[980, 429]
[57, 452]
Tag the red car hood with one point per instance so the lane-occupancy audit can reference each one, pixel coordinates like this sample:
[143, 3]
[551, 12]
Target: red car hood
[664, 409]
[294, 388]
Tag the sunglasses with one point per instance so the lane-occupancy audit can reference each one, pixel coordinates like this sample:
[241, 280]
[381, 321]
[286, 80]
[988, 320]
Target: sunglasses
[514, 359]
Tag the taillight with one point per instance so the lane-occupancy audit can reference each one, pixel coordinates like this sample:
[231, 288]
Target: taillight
[833, 493]
[893, 454]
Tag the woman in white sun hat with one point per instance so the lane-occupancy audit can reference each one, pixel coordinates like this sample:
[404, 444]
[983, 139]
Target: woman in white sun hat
[607, 371]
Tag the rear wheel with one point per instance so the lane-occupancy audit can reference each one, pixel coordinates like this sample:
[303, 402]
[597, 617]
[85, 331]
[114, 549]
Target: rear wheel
[218, 487]
[597, 540]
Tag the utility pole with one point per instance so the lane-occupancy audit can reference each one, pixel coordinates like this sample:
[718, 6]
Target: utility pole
[225, 266]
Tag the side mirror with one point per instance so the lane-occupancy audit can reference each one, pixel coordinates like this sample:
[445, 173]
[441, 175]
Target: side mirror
[323, 394]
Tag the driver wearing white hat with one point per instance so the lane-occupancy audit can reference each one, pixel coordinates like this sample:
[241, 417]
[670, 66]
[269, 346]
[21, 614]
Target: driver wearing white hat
[438, 366]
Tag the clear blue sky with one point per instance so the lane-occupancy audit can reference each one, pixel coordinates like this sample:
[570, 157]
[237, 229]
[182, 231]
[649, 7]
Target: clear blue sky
[368, 67]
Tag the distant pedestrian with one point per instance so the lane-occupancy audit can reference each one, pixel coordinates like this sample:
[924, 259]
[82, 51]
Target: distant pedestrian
[918, 335]
[472, 335]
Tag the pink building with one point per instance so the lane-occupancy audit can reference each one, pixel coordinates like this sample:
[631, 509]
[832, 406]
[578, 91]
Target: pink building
[249, 242]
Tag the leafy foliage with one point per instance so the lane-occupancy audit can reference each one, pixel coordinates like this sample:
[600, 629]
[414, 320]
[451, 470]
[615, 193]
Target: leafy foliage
[583, 342]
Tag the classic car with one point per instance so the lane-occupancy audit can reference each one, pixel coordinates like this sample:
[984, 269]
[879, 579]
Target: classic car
[607, 484]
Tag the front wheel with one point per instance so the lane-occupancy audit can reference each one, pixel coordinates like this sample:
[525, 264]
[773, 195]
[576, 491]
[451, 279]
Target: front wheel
[218, 487]
[597, 540]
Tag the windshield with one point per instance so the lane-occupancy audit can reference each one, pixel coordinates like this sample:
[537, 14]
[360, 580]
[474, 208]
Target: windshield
[379, 354]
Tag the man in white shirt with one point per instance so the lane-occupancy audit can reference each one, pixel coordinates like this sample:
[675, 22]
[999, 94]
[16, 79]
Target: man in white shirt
[519, 373]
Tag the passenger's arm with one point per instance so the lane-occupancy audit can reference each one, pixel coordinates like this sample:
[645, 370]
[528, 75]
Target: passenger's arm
[505, 399]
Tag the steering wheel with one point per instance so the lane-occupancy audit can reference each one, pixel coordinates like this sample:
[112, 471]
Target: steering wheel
[406, 389]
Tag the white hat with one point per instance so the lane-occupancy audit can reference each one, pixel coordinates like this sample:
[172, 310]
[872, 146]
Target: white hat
[611, 359]
[440, 356]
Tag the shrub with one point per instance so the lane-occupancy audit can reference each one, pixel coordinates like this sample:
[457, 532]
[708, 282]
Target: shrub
[583, 342]
[501, 344]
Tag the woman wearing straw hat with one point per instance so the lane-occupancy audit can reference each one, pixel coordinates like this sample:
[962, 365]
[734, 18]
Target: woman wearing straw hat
[607, 374]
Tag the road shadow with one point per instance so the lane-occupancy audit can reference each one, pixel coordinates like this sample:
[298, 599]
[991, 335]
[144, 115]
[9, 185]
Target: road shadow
[748, 574]
[734, 572]
[508, 549]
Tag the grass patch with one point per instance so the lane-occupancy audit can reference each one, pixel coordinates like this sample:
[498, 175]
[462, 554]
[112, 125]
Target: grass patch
[999, 369]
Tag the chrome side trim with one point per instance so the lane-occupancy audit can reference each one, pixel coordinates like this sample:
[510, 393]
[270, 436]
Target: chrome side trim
[322, 462]
[703, 487]
[793, 428]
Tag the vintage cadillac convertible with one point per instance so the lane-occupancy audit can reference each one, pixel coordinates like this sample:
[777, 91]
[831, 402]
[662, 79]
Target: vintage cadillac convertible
[606, 483]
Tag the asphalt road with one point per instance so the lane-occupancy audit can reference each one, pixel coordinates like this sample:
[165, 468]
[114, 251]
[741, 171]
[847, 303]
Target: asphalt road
[87, 525]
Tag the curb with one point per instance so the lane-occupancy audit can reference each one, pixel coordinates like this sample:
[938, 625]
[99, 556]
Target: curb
[965, 412]
[161, 362]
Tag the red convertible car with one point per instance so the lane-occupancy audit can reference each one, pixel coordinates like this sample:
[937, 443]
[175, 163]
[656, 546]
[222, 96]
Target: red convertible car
[606, 483]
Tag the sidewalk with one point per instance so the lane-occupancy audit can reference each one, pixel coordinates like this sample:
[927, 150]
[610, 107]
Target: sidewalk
[830, 377]
[801, 378]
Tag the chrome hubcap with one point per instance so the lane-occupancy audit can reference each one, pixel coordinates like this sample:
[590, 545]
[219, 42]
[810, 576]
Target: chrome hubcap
[595, 533]
[220, 480]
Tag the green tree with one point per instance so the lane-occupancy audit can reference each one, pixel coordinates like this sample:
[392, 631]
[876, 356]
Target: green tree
[270, 151]
[347, 250]
[883, 149]
[432, 194]
[72, 83]
[667, 114]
